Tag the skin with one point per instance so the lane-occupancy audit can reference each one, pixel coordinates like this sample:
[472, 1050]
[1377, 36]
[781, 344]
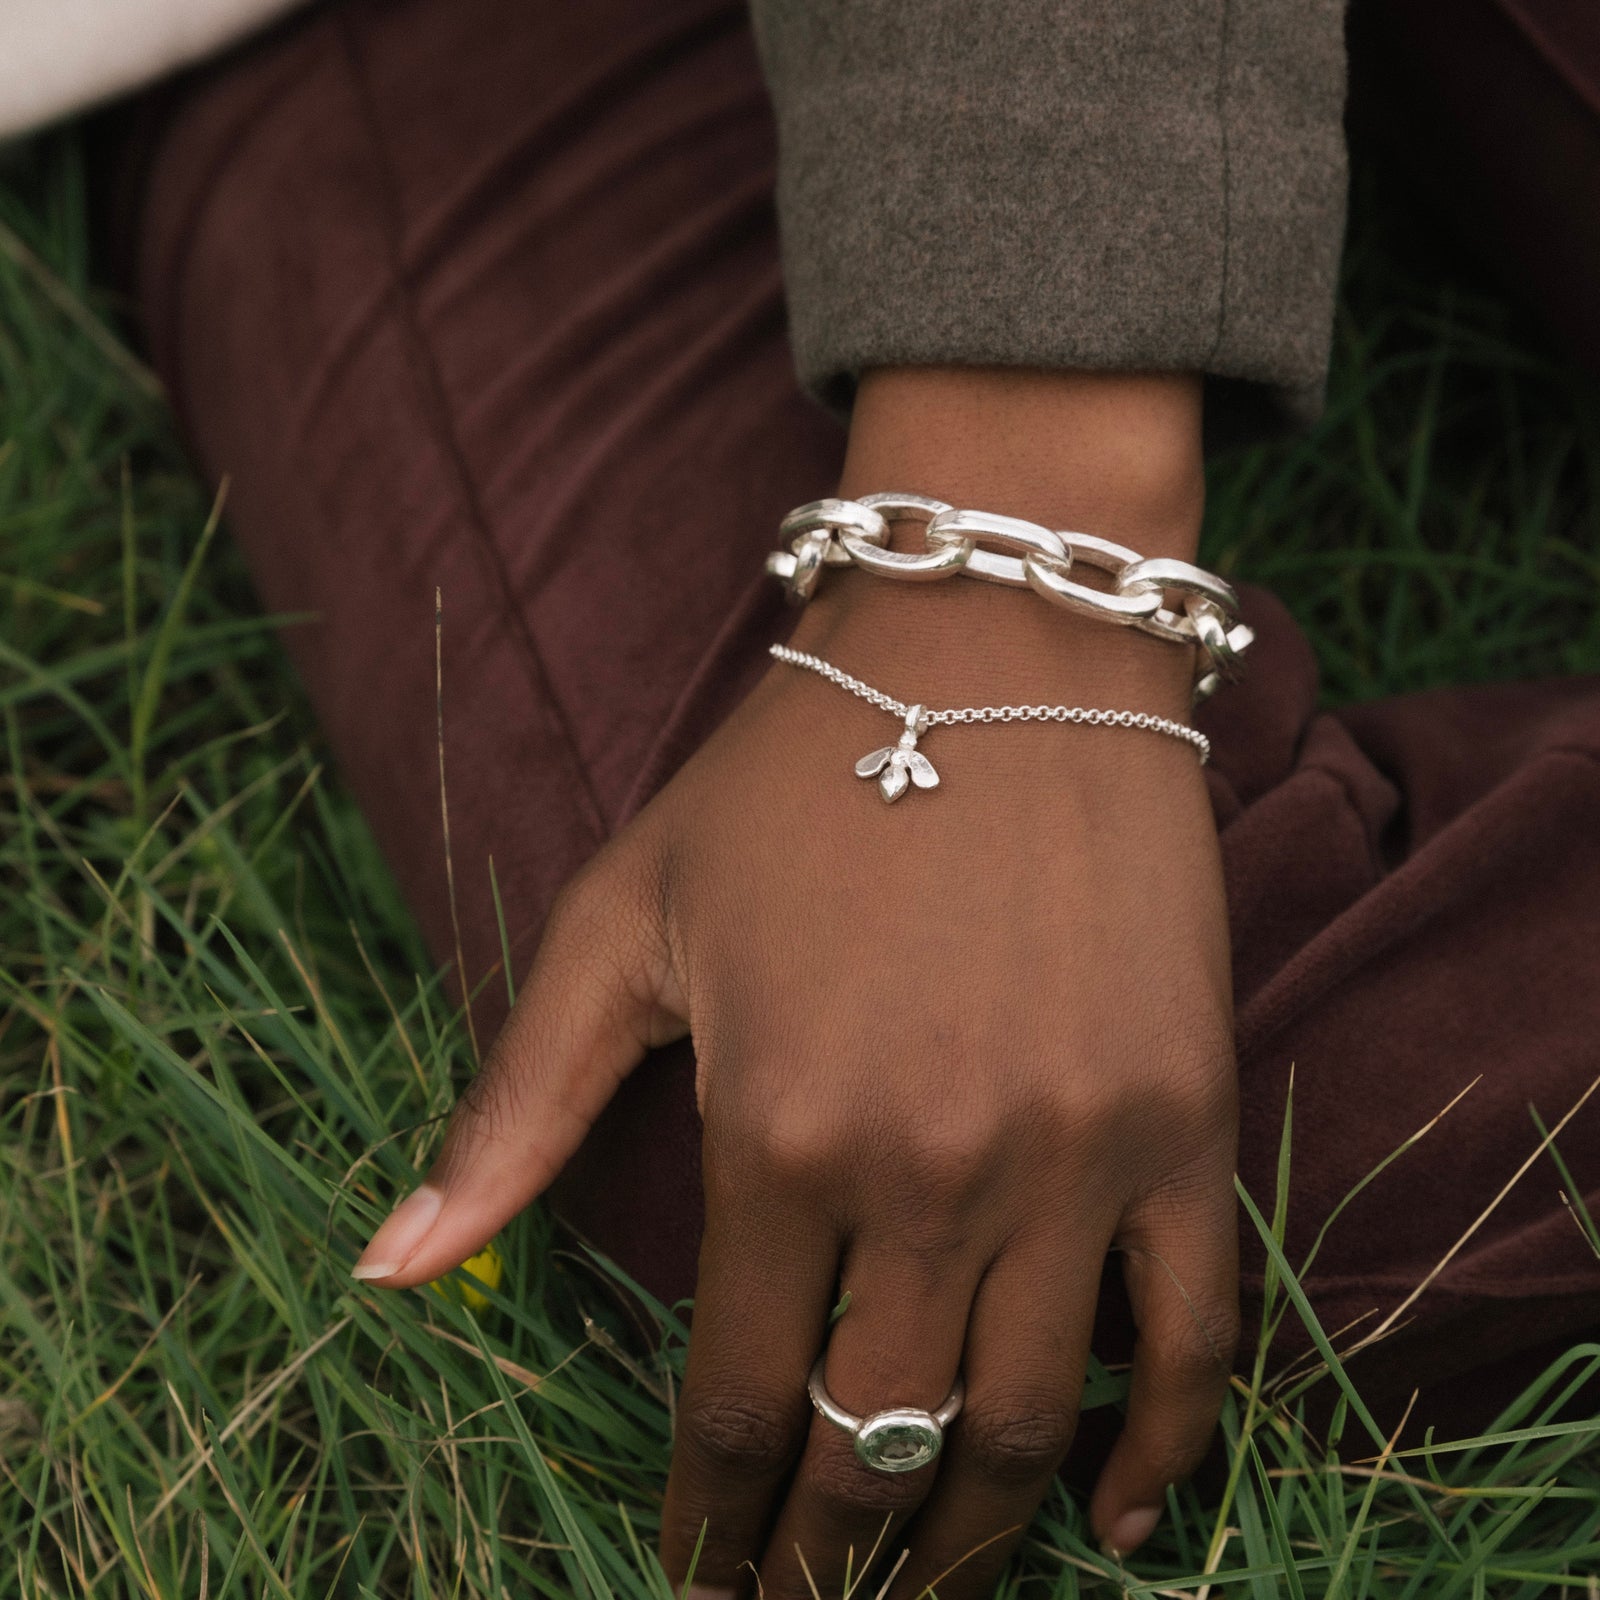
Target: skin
[951, 1052]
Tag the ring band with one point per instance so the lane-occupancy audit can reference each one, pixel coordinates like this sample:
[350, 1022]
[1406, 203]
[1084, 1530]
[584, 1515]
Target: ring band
[900, 1439]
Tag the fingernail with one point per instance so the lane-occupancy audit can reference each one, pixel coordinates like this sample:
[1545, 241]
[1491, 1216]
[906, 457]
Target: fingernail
[1131, 1529]
[396, 1241]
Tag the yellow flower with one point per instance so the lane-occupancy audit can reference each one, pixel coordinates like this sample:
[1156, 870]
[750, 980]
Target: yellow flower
[488, 1267]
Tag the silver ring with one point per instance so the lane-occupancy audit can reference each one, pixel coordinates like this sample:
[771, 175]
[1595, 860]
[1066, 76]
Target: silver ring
[900, 1439]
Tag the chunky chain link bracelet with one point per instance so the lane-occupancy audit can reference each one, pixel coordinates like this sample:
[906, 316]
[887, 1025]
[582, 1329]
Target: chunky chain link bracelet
[1169, 599]
[897, 766]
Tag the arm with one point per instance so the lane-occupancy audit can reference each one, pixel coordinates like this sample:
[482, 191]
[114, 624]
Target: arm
[950, 1055]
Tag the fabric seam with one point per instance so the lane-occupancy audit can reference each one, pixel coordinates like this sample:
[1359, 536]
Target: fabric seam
[1536, 36]
[1225, 177]
[179, 264]
[437, 416]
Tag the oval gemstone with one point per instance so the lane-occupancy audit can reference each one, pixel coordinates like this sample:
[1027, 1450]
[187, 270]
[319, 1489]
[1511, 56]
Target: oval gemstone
[899, 1441]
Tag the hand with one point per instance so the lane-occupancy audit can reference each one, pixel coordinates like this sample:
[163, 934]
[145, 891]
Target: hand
[950, 1053]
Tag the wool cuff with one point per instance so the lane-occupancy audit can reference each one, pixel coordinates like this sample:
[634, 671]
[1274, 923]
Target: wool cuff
[1099, 184]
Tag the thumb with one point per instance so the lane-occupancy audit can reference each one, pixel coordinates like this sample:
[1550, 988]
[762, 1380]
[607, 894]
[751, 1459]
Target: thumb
[600, 994]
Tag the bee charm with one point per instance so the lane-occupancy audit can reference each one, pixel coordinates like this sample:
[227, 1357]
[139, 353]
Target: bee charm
[896, 766]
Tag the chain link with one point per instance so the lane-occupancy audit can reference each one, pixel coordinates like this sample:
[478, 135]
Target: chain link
[1087, 716]
[1169, 599]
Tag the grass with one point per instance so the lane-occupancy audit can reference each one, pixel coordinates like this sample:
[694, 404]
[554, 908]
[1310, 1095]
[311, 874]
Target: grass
[222, 1048]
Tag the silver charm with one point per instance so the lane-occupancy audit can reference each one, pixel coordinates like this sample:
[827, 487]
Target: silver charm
[898, 765]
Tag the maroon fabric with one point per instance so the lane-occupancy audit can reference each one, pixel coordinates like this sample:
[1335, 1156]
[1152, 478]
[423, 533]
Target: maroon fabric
[462, 298]
[1494, 106]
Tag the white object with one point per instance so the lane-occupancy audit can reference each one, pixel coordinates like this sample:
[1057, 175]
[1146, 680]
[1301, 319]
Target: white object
[61, 56]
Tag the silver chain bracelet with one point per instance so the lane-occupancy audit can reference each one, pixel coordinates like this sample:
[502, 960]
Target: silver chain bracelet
[897, 766]
[1204, 612]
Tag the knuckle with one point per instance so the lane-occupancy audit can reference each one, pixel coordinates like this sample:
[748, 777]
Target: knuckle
[1079, 1113]
[938, 1166]
[1173, 1459]
[1202, 1341]
[949, 1162]
[848, 1493]
[797, 1148]
[739, 1434]
[1015, 1444]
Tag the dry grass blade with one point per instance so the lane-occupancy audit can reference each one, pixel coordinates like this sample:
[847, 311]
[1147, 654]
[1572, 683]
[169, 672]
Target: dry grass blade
[251, 1415]
[894, 1572]
[82, 318]
[1389, 1322]
[444, 818]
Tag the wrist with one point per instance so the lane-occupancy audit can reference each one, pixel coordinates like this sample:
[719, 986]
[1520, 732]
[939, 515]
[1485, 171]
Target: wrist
[964, 643]
[1117, 455]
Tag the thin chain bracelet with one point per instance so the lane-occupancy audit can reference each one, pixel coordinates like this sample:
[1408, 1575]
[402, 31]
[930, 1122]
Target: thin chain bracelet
[1166, 598]
[896, 766]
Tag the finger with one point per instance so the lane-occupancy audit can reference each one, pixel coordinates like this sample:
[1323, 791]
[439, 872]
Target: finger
[899, 1343]
[1027, 1348]
[768, 1268]
[591, 1006]
[1182, 1273]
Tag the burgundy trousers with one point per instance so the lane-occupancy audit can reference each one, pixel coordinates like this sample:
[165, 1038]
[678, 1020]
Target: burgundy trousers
[471, 296]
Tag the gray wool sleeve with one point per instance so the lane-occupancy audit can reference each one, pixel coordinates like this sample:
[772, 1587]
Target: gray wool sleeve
[1130, 184]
